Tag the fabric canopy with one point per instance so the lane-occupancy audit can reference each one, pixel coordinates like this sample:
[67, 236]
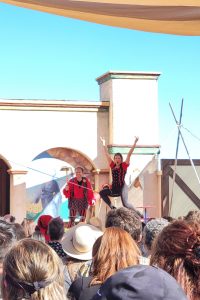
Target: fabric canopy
[181, 17]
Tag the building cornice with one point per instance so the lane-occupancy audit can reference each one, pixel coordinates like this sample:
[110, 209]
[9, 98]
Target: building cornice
[127, 75]
[140, 149]
[17, 172]
[100, 171]
[53, 105]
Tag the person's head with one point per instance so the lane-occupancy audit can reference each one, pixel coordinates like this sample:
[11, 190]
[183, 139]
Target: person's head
[126, 219]
[137, 183]
[56, 229]
[177, 251]
[7, 238]
[169, 218]
[29, 227]
[193, 216]
[151, 231]
[48, 190]
[42, 224]
[118, 158]
[142, 283]
[37, 235]
[19, 231]
[113, 251]
[9, 218]
[79, 240]
[32, 270]
[79, 172]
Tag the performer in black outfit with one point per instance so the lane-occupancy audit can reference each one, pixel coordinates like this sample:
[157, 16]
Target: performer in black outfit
[119, 169]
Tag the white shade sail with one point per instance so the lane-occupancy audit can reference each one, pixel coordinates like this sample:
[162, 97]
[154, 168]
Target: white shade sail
[181, 17]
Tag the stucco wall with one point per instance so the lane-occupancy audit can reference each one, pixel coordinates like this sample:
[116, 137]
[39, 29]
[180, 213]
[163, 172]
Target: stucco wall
[128, 107]
[133, 106]
[28, 133]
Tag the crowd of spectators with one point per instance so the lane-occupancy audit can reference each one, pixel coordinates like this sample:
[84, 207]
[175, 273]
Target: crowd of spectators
[129, 259]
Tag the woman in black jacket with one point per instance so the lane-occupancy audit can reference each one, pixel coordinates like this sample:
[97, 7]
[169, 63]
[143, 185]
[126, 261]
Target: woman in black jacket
[113, 251]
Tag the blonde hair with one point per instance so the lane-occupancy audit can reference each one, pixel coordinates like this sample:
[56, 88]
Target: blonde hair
[32, 270]
[29, 227]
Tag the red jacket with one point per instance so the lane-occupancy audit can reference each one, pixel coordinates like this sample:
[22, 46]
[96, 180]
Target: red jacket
[76, 191]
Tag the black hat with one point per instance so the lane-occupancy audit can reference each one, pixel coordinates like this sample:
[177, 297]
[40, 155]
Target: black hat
[142, 283]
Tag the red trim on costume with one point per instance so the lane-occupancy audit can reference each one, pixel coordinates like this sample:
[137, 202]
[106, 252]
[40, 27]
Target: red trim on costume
[76, 191]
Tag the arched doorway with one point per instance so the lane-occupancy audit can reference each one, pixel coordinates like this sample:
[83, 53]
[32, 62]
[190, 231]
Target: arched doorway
[4, 188]
[46, 179]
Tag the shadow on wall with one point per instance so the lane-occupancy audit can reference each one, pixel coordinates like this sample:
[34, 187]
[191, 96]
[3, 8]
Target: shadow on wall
[143, 192]
[4, 188]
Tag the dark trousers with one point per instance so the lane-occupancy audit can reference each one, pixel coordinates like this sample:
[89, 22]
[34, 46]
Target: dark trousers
[105, 193]
[73, 213]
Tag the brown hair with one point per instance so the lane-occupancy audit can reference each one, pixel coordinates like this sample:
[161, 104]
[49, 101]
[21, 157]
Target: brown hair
[177, 251]
[79, 167]
[113, 251]
[29, 226]
[32, 269]
[193, 216]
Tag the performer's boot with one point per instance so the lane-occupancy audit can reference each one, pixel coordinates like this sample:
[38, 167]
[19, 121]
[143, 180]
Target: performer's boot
[82, 219]
[104, 196]
[71, 222]
[112, 206]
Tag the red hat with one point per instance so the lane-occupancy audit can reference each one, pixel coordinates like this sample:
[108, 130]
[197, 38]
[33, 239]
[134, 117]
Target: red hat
[42, 223]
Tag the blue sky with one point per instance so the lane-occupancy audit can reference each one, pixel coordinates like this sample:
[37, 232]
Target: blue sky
[44, 56]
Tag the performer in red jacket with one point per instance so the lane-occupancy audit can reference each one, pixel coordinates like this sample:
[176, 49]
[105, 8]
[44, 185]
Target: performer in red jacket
[80, 194]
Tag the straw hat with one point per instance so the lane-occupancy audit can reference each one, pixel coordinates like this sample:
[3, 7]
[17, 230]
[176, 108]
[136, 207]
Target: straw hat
[79, 240]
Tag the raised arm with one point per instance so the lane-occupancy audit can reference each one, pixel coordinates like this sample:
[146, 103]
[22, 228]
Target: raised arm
[131, 150]
[109, 159]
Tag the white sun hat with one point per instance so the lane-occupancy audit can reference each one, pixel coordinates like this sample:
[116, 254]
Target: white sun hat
[79, 240]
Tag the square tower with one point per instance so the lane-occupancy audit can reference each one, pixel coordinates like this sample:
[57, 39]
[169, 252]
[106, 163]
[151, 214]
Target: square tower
[133, 98]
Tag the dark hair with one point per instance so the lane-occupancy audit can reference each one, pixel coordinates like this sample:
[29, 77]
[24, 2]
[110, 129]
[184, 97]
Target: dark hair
[79, 167]
[118, 154]
[56, 229]
[7, 238]
[169, 218]
[12, 219]
[126, 219]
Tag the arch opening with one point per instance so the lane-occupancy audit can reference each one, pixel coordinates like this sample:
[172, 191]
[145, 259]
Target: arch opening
[46, 179]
